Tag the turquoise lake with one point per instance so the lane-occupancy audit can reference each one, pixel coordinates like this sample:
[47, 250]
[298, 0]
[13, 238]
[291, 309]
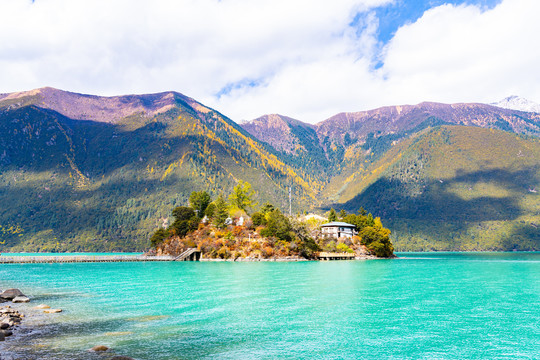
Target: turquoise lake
[420, 306]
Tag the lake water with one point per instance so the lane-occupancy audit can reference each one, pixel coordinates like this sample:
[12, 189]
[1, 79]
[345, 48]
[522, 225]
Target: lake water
[421, 306]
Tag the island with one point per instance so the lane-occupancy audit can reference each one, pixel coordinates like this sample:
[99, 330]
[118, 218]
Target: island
[223, 229]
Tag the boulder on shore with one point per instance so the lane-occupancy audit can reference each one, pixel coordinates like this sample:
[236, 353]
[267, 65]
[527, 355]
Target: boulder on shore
[20, 299]
[42, 306]
[99, 348]
[10, 294]
[52, 311]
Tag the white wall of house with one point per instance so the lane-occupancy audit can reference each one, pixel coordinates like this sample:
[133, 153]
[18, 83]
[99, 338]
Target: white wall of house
[338, 231]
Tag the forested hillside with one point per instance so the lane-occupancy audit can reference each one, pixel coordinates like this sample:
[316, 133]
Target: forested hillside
[456, 188]
[438, 186]
[106, 184]
[83, 173]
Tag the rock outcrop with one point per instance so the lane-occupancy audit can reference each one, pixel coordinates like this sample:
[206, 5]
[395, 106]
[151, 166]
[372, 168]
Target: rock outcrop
[11, 294]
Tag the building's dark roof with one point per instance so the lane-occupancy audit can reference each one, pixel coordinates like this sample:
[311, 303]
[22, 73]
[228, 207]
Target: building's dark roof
[338, 223]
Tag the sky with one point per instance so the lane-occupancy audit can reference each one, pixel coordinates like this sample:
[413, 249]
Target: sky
[307, 59]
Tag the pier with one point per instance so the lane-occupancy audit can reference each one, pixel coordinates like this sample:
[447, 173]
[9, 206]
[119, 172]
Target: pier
[80, 258]
[190, 254]
[323, 255]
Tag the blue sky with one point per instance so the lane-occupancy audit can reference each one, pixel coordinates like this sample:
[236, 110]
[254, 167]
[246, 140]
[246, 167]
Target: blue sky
[308, 59]
[399, 13]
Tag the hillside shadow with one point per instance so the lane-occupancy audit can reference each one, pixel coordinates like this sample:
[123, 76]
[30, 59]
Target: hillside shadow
[523, 237]
[112, 211]
[449, 200]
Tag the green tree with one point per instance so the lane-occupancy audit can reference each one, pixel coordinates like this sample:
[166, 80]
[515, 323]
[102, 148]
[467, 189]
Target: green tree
[258, 219]
[307, 247]
[377, 239]
[266, 208]
[332, 216]
[242, 196]
[199, 201]
[221, 213]
[360, 221]
[158, 237]
[185, 221]
[210, 210]
[341, 247]
[342, 214]
[278, 226]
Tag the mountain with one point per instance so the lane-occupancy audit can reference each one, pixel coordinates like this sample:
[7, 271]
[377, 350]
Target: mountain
[84, 172]
[295, 142]
[400, 162]
[399, 121]
[518, 103]
[90, 173]
[455, 188]
[284, 133]
[96, 108]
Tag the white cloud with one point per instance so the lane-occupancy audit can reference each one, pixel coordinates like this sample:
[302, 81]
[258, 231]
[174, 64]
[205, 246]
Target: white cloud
[246, 58]
[459, 53]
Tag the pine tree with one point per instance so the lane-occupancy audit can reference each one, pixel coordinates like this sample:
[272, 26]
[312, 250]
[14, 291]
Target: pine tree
[199, 201]
[332, 216]
[221, 213]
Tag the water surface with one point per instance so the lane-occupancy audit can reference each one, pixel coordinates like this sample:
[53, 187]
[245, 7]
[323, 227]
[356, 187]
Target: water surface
[423, 305]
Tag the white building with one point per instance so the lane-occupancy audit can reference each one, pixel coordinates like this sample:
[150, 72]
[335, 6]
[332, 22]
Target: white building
[337, 229]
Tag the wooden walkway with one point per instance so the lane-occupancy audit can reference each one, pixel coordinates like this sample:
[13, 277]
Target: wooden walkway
[334, 256]
[80, 258]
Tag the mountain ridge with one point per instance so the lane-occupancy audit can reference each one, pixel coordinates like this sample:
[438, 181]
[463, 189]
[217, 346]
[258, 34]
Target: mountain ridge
[108, 109]
[99, 184]
[84, 172]
[515, 102]
[400, 118]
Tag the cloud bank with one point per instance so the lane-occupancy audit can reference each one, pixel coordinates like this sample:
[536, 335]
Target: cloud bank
[305, 59]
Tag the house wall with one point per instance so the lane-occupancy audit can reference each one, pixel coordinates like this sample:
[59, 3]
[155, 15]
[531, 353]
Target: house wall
[338, 231]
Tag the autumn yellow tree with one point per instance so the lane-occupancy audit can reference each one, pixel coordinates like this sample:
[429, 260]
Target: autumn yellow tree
[242, 196]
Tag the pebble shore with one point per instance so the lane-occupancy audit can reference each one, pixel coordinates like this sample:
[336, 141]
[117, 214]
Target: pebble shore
[11, 318]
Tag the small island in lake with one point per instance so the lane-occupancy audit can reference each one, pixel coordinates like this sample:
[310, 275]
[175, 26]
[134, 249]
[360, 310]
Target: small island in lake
[222, 229]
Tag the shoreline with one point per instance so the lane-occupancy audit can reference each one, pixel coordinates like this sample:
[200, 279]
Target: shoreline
[40, 259]
[288, 259]
[34, 324]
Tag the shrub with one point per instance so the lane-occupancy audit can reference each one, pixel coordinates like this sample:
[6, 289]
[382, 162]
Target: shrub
[224, 253]
[237, 231]
[381, 249]
[341, 247]
[258, 219]
[267, 251]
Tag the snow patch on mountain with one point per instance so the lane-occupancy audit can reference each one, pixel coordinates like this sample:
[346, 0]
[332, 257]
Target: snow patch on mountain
[518, 103]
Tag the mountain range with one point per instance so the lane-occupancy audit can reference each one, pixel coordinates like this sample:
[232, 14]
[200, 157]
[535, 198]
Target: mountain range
[82, 172]
[518, 103]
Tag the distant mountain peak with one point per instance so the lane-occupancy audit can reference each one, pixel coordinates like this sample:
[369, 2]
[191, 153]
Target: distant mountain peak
[99, 108]
[277, 130]
[515, 102]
